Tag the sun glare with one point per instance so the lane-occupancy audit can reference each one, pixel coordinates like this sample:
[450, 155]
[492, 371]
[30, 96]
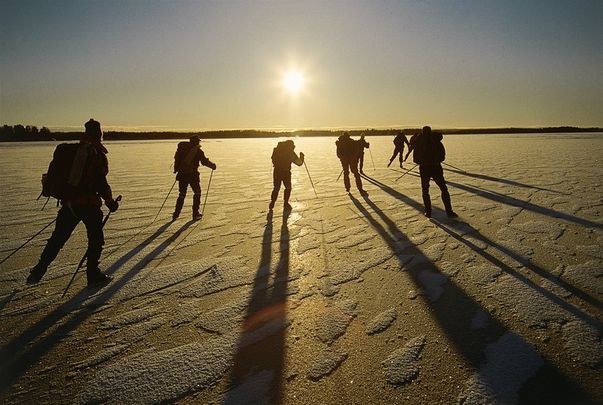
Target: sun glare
[293, 82]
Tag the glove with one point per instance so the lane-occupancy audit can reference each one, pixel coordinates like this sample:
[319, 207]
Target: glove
[112, 205]
[301, 155]
[214, 167]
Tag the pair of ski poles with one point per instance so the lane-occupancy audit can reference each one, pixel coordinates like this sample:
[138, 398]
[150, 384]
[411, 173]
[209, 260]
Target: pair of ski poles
[171, 188]
[409, 170]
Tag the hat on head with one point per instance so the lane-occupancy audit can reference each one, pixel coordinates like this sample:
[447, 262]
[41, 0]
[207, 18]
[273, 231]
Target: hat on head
[194, 139]
[93, 129]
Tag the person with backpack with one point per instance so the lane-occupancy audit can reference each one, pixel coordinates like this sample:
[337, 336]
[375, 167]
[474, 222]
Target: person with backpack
[429, 153]
[282, 157]
[77, 176]
[399, 142]
[186, 164]
[348, 152]
[363, 145]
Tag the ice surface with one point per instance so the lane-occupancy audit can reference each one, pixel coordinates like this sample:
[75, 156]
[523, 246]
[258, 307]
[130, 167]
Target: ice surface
[517, 276]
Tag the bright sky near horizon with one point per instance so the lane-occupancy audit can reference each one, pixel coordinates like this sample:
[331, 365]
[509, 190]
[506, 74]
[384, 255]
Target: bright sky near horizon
[200, 65]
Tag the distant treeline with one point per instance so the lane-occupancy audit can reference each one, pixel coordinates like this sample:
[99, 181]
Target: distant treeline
[21, 133]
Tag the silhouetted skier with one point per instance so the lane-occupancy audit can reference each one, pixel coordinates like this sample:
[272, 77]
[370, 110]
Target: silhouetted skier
[399, 142]
[77, 175]
[428, 153]
[186, 164]
[348, 151]
[411, 145]
[282, 157]
[363, 145]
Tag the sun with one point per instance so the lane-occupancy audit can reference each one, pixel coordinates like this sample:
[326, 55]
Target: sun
[293, 82]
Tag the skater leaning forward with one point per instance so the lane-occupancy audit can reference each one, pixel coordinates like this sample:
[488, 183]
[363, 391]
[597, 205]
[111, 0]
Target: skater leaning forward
[399, 142]
[348, 152]
[77, 177]
[186, 165]
[282, 157]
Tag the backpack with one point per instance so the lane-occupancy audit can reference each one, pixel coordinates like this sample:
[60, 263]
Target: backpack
[184, 157]
[428, 150]
[281, 155]
[69, 171]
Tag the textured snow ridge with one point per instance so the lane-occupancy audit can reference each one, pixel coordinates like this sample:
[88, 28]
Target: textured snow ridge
[327, 362]
[401, 366]
[510, 362]
[381, 322]
[335, 320]
[163, 376]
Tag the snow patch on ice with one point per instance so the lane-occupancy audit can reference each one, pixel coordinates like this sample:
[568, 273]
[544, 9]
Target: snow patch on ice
[181, 370]
[511, 361]
[402, 365]
[325, 363]
[334, 320]
[583, 343]
[381, 322]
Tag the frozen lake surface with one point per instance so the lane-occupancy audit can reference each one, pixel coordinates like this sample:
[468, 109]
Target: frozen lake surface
[345, 300]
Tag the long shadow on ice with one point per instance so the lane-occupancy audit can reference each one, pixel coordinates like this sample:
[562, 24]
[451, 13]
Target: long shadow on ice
[512, 254]
[258, 364]
[18, 357]
[454, 311]
[504, 181]
[468, 229]
[526, 205]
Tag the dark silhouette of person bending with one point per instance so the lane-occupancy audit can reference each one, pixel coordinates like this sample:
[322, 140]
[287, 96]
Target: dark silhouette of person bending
[348, 152]
[399, 142]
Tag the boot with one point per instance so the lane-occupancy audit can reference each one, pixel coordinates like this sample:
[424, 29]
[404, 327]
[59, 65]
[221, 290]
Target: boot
[287, 206]
[179, 204]
[196, 204]
[96, 278]
[35, 275]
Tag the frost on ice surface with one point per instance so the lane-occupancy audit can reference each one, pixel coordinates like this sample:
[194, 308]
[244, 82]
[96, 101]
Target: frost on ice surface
[181, 370]
[381, 322]
[401, 366]
[130, 318]
[432, 283]
[583, 343]
[101, 357]
[483, 274]
[510, 362]
[528, 304]
[586, 276]
[591, 250]
[325, 363]
[334, 320]
[554, 230]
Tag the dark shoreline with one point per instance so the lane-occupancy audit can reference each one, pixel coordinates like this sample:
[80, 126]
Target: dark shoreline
[132, 136]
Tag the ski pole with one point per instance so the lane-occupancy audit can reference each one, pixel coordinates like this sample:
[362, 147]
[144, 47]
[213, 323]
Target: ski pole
[164, 201]
[371, 153]
[207, 192]
[86, 254]
[44, 206]
[310, 177]
[339, 176]
[454, 167]
[29, 240]
[406, 172]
